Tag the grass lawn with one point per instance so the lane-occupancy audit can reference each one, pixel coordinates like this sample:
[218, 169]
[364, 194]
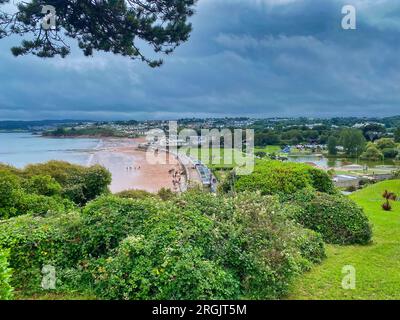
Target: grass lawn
[268, 149]
[377, 265]
[217, 158]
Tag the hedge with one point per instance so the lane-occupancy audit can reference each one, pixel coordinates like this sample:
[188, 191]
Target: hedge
[336, 217]
[276, 177]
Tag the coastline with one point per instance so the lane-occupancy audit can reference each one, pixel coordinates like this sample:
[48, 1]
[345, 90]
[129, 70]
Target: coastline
[129, 166]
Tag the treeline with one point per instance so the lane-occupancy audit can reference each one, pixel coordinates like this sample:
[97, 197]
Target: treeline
[379, 141]
[92, 131]
[29, 125]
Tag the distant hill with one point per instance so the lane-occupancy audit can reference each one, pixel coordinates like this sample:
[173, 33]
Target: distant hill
[37, 125]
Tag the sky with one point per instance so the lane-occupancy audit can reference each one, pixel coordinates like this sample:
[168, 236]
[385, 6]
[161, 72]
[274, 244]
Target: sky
[255, 58]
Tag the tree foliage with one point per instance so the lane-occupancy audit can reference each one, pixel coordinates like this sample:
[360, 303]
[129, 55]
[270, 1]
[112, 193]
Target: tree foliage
[5, 276]
[332, 145]
[117, 26]
[275, 177]
[372, 153]
[352, 141]
[337, 218]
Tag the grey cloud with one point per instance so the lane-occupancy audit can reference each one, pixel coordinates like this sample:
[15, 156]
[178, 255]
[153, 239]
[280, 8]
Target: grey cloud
[245, 57]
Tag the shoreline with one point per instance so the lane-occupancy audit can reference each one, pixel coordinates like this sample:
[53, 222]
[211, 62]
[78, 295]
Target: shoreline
[130, 168]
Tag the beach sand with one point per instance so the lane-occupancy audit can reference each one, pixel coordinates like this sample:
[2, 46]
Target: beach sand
[130, 167]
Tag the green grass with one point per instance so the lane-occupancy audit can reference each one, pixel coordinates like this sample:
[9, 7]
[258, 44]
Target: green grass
[268, 149]
[377, 265]
[217, 158]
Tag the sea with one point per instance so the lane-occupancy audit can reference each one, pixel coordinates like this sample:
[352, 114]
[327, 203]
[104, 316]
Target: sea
[20, 149]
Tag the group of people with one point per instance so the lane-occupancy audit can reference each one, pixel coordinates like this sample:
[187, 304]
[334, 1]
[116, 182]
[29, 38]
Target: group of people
[133, 168]
[177, 174]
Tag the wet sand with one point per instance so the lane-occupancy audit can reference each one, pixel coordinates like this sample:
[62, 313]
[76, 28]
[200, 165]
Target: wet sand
[130, 167]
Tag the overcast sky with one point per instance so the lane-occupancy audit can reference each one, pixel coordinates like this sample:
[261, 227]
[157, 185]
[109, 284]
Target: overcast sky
[258, 58]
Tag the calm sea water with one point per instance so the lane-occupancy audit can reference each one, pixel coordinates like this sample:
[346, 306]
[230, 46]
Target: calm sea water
[20, 149]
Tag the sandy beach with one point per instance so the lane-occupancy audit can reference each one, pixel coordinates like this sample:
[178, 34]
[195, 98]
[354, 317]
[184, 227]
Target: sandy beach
[130, 168]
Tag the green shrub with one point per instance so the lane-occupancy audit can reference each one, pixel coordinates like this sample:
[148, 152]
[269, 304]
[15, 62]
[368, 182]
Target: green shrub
[136, 194]
[41, 205]
[196, 246]
[42, 185]
[372, 153]
[337, 218]
[109, 219]
[321, 181]
[5, 277]
[275, 177]
[79, 184]
[19, 196]
[166, 194]
[36, 241]
[10, 194]
[390, 153]
[141, 271]
[272, 249]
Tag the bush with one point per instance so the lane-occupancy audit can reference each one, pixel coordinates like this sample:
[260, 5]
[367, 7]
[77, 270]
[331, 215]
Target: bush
[166, 194]
[390, 153]
[41, 205]
[20, 196]
[385, 143]
[337, 218]
[141, 271]
[275, 177]
[136, 194]
[36, 241]
[10, 194]
[5, 277]
[79, 184]
[196, 246]
[109, 219]
[42, 185]
[372, 153]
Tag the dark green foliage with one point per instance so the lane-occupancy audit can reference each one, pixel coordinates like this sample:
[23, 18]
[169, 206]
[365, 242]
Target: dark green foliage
[201, 247]
[353, 142]
[36, 241]
[42, 185]
[5, 276]
[166, 246]
[109, 219]
[385, 143]
[10, 194]
[397, 135]
[337, 218]
[275, 177]
[332, 145]
[37, 195]
[390, 153]
[89, 132]
[41, 205]
[266, 139]
[372, 153]
[321, 181]
[112, 26]
[136, 194]
[166, 194]
[79, 184]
